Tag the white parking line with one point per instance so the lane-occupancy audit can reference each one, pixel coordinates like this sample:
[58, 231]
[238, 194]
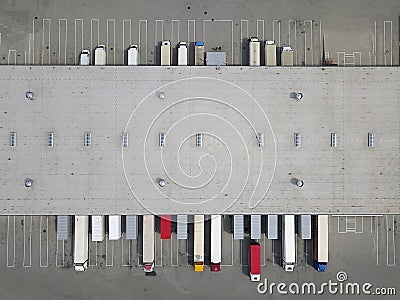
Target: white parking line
[8, 241]
[60, 41]
[390, 241]
[276, 23]
[390, 50]
[176, 22]
[30, 243]
[261, 29]
[91, 33]
[374, 43]
[294, 46]
[110, 49]
[112, 252]
[33, 43]
[44, 41]
[141, 46]
[62, 242]
[377, 241]
[177, 252]
[46, 223]
[231, 264]
[81, 42]
[244, 29]
[9, 57]
[310, 22]
[123, 238]
[156, 30]
[192, 38]
[90, 263]
[129, 26]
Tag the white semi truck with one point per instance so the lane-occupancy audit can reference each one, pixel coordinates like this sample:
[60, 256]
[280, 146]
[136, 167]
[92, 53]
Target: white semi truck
[198, 243]
[81, 243]
[216, 226]
[288, 243]
[148, 243]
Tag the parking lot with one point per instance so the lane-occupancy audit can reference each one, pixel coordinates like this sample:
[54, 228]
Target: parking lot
[31, 241]
[59, 41]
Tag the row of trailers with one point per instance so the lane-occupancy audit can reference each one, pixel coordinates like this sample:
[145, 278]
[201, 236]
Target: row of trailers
[270, 50]
[310, 227]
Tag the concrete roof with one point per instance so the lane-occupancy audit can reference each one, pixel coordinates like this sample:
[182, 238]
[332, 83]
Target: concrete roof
[230, 173]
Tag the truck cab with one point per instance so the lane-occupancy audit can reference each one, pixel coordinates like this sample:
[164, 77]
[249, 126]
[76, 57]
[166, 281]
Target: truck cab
[84, 58]
[148, 267]
[199, 266]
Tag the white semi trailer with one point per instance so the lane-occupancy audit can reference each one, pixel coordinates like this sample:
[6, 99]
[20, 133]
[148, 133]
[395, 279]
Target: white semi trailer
[148, 243]
[81, 243]
[182, 54]
[288, 243]
[166, 53]
[216, 242]
[254, 52]
[198, 243]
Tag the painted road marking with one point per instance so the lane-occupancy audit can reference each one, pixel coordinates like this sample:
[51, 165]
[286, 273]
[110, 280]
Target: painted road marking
[109, 244]
[44, 241]
[276, 32]
[390, 241]
[12, 57]
[293, 41]
[10, 241]
[175, 27]
[308, 45]
[388, 43]
[94, 33]
[143, 33]
[244, 35]
[27, 260]
[78, 42]
[110, 46]
[46, 41]
[128, 248]
[191, 31]
[126, 37]
[62, 41]
[261, 29]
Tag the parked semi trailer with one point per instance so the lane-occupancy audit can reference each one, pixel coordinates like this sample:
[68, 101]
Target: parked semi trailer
[81, 243]
[254, 52]
[216, 226]
[148, 243]
[100, 56]
[97, 228]
[255, 261]
[165, 227]
[321, 237]
[288, 243]
[270, 53]
[114, 227]
[166, 53]
[198, 244]
[182, 54]
[199, 53]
